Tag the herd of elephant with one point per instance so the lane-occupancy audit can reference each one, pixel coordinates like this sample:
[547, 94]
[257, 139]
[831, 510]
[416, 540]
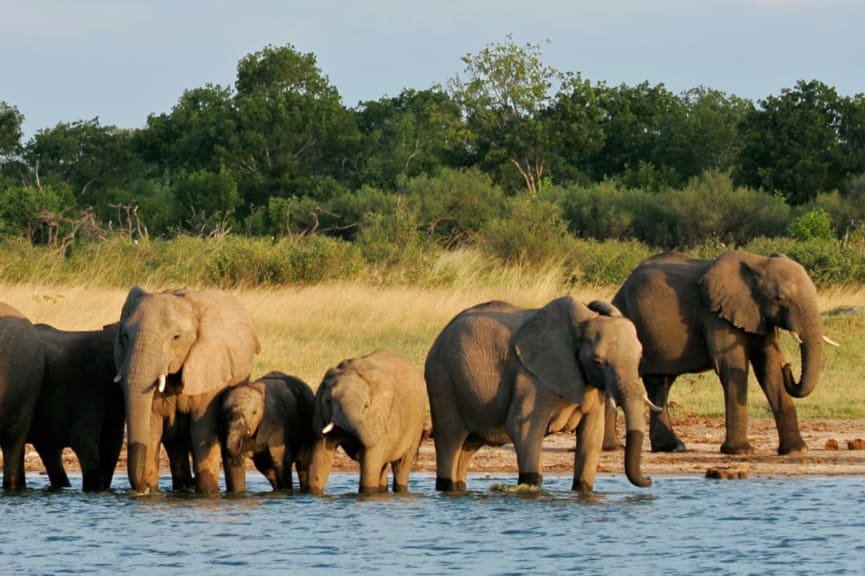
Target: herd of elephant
[174, 372]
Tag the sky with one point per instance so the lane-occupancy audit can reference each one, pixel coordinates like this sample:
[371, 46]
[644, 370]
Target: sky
[122, 60]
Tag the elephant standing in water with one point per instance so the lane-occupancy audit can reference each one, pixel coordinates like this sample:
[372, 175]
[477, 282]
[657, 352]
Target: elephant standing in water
[79, 406]
[498, 373]
[175, 352]
[269, 420]
[374, 407]
[694, 315]
[21, 368]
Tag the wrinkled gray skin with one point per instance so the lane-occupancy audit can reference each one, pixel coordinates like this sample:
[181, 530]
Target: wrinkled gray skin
[498, 373]
[694, 315]
[374, 407]
[199, 343]
[270, 421]
[21, 368]
[80, 406]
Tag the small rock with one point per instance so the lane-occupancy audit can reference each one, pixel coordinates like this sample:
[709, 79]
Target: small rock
[831, 444]
[856, 444]
[726, 474]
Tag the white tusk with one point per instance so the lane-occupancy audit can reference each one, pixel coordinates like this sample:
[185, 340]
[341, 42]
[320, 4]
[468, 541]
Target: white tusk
[796, 336]
[651, 404]
[162, 382]
[829, 341]
[118, 378]
[327, 429]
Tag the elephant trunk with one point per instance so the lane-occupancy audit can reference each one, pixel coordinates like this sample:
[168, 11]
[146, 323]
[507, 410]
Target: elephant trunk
[811, 353]
[635, 422]
[234, 441]
[140, 376]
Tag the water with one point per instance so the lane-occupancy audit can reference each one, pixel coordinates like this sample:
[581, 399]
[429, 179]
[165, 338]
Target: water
[681, 525]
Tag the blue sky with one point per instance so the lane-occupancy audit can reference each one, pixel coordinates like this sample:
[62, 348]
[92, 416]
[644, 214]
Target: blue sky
[120, 60]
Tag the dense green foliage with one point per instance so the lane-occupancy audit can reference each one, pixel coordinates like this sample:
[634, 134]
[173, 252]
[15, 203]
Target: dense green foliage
[524, 162]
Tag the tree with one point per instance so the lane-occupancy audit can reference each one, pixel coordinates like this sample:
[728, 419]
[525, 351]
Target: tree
[415, 133]
[11, 121]
[291, 124]
[506, 88]
[792, 143]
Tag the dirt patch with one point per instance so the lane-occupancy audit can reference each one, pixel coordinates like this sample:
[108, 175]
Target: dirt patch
[835, 448]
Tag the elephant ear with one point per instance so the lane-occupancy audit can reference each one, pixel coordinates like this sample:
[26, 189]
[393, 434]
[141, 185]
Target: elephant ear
[379, 377]
[729, 289]
[605, 308]
[546, 345]
[226, 345]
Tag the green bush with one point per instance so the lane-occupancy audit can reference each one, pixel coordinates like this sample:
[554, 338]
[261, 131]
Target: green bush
[827, 260]
[533, 232]
[605, 263]
[812, 224]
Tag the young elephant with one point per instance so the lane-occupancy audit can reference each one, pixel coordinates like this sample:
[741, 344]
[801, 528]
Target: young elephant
[269, 420]
[374, 407]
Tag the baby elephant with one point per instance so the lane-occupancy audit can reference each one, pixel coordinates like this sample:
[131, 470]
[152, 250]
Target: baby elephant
[269, 420]
[374, 407]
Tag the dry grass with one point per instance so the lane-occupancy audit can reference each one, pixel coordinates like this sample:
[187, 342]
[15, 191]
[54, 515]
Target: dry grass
[305, 330]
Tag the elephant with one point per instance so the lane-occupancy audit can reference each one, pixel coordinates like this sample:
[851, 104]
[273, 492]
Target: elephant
[374, 407]
[175, 352]
[499, 373]
[21, 369]
[722, 314]
[79, 406]
[269, 420]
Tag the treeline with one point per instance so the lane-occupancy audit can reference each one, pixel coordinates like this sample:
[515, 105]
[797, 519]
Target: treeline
[512, 156]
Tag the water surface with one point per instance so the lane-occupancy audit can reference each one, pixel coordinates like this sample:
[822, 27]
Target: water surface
[681, 525]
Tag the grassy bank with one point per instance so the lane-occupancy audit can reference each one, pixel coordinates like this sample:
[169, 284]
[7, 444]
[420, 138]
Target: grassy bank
[304, 330]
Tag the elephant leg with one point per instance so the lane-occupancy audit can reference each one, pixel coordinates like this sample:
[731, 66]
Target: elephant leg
[732, 368]
[451, 459]
[205, 449]
[266, 464]
[282, 458]
[590, 440]
[464, 458]
[13, 464]
[52, 458]
[178, 463]
[382, 479]
[767, 368]
[527, 433]
[611, 436]
[110, 444]
[402, 467]
[371, 471]
[661, 434]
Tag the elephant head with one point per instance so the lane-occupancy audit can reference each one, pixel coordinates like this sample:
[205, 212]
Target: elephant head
[568, 346]
[355, 399]
[242, 413]
[200, 341]
[759, 295]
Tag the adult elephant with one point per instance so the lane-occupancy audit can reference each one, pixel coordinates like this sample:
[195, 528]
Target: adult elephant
[79, 406]
[694, 315]
[175, 352]
[21, 368]
[498, 373]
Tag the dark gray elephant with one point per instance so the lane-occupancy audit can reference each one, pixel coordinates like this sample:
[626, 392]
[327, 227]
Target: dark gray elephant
[498, 373]
[374, 407]
[694, 315]
[80, 406]
[21, 368]
[175, 352]
[270, 421]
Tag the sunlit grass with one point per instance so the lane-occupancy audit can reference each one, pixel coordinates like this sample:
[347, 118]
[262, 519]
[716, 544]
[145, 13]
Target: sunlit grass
[305, 330]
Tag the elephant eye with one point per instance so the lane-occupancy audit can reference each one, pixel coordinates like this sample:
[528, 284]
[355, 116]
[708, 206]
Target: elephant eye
[176, 337]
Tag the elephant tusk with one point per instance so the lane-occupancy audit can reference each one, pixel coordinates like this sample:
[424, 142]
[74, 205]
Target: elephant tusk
[327, 429]
[162, 382]
[651, 404]
[796, 336]
[831, 342]
[118, 378]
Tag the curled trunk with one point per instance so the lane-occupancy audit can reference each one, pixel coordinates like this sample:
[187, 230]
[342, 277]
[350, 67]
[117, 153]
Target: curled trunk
[635, 422]
[811, 351]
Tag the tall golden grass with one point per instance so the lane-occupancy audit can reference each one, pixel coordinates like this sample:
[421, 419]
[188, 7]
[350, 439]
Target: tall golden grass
[305, 330]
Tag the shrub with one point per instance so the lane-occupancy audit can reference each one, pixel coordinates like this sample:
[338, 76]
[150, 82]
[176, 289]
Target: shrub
[533, 232]
[812, 224]
[605, 263]
[827, 260]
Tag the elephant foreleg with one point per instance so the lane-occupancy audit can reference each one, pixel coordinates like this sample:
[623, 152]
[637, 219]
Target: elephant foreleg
[733, 372]
[206, 450]
[767, 368]
[177, 451]
[265, 462]
[661, 434]
[611, 436]
[590, 439]
[372, 471]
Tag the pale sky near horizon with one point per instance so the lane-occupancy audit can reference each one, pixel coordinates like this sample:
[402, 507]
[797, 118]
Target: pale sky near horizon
[120, 60]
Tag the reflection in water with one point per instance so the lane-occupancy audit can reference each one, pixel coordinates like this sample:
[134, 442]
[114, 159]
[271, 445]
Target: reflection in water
[682, 525]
